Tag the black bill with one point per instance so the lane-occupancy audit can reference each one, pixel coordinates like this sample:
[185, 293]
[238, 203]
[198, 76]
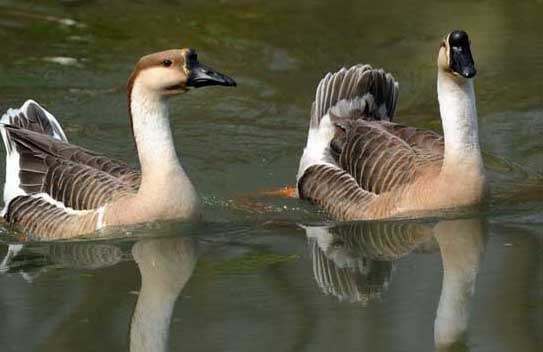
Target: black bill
[461, 60]
[202, 76]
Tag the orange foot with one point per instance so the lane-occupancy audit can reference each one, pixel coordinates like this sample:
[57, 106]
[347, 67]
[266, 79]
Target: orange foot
[286, 192]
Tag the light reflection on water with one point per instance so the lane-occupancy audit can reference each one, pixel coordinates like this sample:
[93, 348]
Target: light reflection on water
[261, 281]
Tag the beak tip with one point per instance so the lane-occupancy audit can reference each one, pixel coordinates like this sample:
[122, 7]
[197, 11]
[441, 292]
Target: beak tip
[469, 73]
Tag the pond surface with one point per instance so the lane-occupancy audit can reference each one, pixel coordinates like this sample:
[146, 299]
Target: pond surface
[252, 277]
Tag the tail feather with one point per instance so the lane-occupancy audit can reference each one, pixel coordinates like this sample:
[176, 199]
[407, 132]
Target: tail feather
[378, 88]
[30, 116]
[348, 94]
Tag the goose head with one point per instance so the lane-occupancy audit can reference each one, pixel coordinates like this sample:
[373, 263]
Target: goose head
[173, 72]
[455, 55]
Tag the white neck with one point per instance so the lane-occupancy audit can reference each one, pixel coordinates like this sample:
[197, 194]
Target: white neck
[151, 126]
[163, 176]
[459, 117]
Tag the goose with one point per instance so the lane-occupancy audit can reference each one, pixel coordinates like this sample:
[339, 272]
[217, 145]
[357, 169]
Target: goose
[359, 165]
[55, 189]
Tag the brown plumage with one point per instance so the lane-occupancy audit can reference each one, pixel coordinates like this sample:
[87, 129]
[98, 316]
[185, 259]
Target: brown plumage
[358, 164]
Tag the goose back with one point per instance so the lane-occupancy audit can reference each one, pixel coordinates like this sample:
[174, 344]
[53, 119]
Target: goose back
[355, 153]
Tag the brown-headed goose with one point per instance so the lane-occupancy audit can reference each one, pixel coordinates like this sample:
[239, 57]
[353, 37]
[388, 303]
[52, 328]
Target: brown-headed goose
[358, 164]
[57, 189]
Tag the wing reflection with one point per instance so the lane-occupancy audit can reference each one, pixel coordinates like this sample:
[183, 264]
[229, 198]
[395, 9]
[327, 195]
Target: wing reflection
[354, 263]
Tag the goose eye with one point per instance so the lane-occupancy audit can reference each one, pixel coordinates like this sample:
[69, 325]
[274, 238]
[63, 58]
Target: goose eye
[167, 63]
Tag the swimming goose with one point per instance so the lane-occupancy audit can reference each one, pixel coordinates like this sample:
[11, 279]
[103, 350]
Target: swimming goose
[358, 164]
[57, 189]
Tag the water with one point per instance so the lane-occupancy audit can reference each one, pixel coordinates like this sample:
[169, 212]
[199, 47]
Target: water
[250, 278]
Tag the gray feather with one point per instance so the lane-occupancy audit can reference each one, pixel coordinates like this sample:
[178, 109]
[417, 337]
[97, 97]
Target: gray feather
[374, 90]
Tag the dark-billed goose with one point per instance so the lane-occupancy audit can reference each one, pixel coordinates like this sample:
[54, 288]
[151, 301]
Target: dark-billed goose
[359, 165]
[57, 189]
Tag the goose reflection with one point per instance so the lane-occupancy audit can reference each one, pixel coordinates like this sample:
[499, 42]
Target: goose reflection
[354, 262]
[165, 265]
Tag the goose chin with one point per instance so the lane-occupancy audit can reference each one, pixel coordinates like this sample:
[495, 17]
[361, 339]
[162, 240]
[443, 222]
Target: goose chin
[174, 90]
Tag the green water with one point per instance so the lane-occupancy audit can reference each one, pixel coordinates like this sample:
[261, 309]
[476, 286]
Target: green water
[250, 278]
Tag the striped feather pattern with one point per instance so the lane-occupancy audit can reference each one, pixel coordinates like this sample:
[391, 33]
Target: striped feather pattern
[62, 150]
[333, 189]
[356, 260]
[373, 155]
[362, 283]
[81, 187]
[357, 81]
[85, 255]
[377, 160]
[381, 240]
[71, 175]
[427, 143]
[44, 220]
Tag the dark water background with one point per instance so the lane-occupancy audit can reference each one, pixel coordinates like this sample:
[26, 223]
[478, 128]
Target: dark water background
[250, 278]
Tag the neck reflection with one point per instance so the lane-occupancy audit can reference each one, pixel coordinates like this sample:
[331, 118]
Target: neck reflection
[354, 263]
[165, 266]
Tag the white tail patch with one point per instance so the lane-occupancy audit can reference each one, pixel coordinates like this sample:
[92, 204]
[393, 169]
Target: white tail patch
[359, 88]
[12, 187]
[316, 149]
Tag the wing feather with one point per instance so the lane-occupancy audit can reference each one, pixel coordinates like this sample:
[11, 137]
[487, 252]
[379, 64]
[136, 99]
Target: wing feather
[43, 218]
[333, 189]
[77, 178]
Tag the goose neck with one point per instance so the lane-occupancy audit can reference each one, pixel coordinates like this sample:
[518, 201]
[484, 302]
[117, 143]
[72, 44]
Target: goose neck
[459, 117]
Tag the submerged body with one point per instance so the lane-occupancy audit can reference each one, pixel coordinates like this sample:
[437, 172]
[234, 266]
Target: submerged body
[358, 164]
[55, 189]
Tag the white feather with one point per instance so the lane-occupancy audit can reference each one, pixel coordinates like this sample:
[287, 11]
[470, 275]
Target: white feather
[100, 223]
[12, 187]
[316, 151]
[56, 203]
